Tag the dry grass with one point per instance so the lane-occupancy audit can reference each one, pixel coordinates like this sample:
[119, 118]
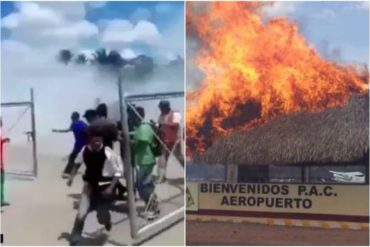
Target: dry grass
[335, 135]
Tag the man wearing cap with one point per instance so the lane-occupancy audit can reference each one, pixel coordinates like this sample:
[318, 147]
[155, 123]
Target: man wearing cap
[79, 128]
[98, 122]
[170, 133]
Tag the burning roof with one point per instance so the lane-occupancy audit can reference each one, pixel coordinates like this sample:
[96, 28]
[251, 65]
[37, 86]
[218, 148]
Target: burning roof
[337, 135]
[256, 70]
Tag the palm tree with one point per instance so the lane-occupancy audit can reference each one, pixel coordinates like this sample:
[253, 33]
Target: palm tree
[81, 59]
[110, 62]
[100, 56]
[65, 56]
[143, 64]
[114, 59]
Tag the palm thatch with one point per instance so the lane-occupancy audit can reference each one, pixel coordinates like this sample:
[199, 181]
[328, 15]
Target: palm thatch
[336, 135]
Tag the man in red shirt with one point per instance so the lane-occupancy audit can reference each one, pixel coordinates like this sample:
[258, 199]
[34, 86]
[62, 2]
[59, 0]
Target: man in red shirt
[170, 133]
[3, 141]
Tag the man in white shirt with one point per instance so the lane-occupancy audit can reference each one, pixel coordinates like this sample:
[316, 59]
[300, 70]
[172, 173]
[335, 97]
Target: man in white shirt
[170, 133]
[101, 165]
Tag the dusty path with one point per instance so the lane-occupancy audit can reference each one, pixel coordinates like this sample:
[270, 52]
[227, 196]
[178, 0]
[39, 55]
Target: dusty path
[42, 210]
[218, 233]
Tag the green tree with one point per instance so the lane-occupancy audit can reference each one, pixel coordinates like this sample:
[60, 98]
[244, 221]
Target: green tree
[81, 59]
[65, 56]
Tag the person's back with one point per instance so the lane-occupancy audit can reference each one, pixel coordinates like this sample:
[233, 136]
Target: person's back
[170, 126]
[144, 164]
[79, 129]
[106, 125]
[170, 132]
[143, 139]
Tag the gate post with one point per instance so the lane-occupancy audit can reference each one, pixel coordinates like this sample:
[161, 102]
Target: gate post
[33, 126]
[126, 152]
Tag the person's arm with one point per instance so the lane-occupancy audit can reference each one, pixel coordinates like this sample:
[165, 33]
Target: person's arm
[109, 190]
[115, 132]
[175, 120]
[116, 168]
[5, 140]
[62, 130]
[173, 124]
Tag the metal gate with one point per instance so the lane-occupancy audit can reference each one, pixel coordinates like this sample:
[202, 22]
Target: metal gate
[21, 153]
[140, 231]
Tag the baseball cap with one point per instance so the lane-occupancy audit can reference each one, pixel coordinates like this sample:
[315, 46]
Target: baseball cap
[90, 113]
[164, 103]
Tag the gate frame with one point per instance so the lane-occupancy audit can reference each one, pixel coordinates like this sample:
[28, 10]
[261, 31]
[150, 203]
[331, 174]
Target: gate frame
[30, 104]
[139, 235]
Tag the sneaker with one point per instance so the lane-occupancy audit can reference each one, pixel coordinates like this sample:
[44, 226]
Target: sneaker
[108, 226]
[152, 208]
[74, 241]
[160, 181]
[151, 215]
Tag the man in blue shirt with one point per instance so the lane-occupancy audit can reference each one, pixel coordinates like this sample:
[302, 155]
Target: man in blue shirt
[79, 128]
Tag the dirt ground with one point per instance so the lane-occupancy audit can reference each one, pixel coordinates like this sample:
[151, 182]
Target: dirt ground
[218, 233]
[42, 210]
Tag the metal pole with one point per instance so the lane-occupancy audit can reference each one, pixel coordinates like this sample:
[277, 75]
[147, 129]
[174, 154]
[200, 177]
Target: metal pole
[21, 103]
[33, 126]
[127, 160]
[153, 96]
[163, 222]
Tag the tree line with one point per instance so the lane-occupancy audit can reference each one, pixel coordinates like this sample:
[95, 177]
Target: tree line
[113, 60]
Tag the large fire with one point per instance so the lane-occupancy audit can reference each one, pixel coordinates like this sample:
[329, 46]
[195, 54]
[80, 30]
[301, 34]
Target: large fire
[255, 70]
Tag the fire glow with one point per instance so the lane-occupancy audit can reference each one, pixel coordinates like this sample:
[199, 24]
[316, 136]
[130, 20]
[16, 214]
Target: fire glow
[255, 70]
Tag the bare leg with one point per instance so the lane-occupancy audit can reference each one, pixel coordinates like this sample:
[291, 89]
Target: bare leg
[162, 165]
[177, 151]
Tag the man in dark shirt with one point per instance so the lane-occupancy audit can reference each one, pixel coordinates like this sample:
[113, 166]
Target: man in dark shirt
[101, 163]
[98, 122]
[108, 126]
[79, 128]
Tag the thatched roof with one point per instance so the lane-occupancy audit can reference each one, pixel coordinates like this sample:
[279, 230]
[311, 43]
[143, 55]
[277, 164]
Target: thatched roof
[336, 135]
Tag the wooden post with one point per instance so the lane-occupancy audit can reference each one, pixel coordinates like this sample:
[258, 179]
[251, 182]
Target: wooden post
[232, 174]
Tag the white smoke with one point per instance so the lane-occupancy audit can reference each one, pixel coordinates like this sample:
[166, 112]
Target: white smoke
[60, 90]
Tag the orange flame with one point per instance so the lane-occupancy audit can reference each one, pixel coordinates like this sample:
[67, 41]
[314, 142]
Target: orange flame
[254, 71]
